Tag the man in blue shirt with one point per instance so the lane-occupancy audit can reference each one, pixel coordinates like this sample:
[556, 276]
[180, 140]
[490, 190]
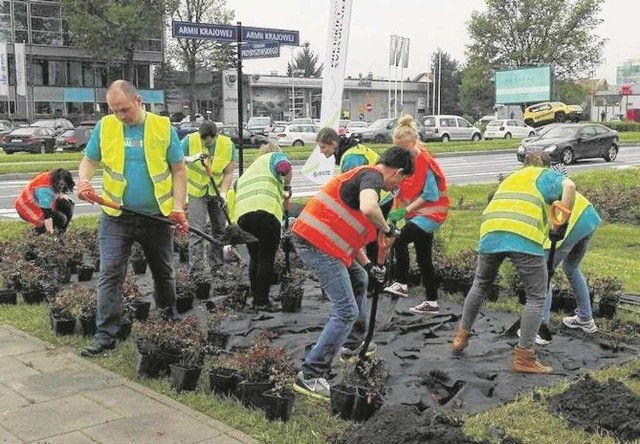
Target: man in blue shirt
[143, 169]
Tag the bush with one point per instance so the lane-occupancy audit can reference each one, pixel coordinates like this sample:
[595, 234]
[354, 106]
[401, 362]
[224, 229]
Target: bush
[615, 202]
[623, 126]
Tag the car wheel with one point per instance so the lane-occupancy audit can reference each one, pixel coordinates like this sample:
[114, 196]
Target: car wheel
[43, 148]
[8, 152]
[611, 153]
[529, 122]
[507, 136]
[379, 138]
[445, 138]
[532, 133]
[560, 117]
[298, 143]
[568, 157]
[476, 137]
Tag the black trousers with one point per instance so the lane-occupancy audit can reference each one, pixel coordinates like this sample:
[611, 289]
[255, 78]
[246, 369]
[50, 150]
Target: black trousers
[61, 216]
[266, 227]
[423, 243]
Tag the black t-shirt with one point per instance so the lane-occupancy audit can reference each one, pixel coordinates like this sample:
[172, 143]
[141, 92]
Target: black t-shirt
[366, 179]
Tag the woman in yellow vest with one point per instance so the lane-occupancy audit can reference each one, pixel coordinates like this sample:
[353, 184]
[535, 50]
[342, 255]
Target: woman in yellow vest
[258, 209]
[219, 152]
[515, 226]
[348, 152]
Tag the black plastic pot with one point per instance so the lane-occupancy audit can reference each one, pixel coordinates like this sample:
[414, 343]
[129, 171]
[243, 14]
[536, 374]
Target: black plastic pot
[125, 330]
[224, 381]
[289, 304]
[277, 408]
[464, 288]
[184, 378]
[342, 398]
[85, 273]
[185, 304]
[64, 274]
[141, 309]
[96, 265]
[63, 326]
[139, 266]
[250, 393]
[362, 409]
[8, 297]
[154, 365]
[449, 285]
[217, 339]
[184, 255]
[606, 310]
[33, 297]
[88, 326]
[202, 290]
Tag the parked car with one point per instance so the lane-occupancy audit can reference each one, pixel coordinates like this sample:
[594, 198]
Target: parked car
[545, 112]
[342, 127]
[446, 128]
[250, 139]
[570, 142]
[87, 124]
[5, 128]
[259, 125]
[31, 139]
[380, 131]
[276, 128]
[577, 113]
[297, 135]
[300, 120]
[59, 126]
[508, 128]
[355, 127]
[187, 128]
[74, 139]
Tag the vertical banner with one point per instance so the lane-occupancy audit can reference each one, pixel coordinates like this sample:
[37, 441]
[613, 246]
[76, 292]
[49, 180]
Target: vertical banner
[405, 53]
[21, 77]
[318, 168]
[399, 50]
[392, 49]
[4, 70]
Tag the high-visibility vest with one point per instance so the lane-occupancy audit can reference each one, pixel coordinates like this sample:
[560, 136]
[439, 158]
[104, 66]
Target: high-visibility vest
[518, 207]
[581, 203]
[26, 204]
[412, 187]
[156, 141]
[198, 183]
[371, 156]
[259, 189]
[331, 226]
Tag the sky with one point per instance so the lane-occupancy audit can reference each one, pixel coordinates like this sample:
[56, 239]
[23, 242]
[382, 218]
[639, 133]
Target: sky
[429, 24]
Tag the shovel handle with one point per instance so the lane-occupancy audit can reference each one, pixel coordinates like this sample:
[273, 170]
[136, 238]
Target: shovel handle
[559, 214]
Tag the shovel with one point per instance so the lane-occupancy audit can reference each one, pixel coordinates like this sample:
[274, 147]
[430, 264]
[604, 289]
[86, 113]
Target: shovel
[107, 203]
[558, 217]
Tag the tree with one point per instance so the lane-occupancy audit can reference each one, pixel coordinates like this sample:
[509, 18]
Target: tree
[476, 95]
[571, 92]
[450, 76]
[518, 33]
[195, 54]
[111, 30]
[306, 61]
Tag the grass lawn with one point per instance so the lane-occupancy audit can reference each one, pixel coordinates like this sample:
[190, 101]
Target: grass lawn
[614, 251]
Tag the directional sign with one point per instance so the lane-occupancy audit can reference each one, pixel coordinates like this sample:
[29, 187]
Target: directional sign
[229, 33]
[260, 50]
[285, 37]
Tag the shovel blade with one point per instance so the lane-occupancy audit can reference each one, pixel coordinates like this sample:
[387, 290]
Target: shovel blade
[386, 310]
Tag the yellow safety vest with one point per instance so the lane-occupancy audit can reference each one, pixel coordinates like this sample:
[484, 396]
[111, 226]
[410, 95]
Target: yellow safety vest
[259, 189]
[518, 207]
[198, 183]
[157, 137]
[581, 203]
[371, 156]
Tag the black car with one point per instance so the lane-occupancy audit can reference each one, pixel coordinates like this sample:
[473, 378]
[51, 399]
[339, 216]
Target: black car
[31, 139]
[59, 125]
[186, 128]
[249, 138]
[74, 139]
[5, 128]
[570, 142]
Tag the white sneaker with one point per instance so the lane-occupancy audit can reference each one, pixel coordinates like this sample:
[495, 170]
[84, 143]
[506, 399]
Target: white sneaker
[426, 308]
[398, 289]
[315, 387]
[576, 322]
[538, 340]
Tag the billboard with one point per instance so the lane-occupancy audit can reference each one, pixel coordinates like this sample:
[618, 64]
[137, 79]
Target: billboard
[524, 85]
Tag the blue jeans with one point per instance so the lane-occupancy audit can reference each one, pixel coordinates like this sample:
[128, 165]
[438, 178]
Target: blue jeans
[115, 237]
[346, 288]
[571, 260]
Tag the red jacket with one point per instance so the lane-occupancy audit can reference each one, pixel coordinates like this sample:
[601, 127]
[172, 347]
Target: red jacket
[26, 204]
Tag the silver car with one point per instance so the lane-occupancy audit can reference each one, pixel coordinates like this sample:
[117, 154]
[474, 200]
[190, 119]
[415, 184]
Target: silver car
[446, 128]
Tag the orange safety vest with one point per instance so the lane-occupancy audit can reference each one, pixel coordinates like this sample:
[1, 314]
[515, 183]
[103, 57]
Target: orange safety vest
[26, 204]
[411, 188]
[331, 226]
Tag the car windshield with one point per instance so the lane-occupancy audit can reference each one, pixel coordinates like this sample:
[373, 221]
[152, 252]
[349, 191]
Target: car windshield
[44, 123]
[356, 125]
[560, 132]
[495, 123]
[379, 123]
[430, 121]
[259, 121]
[23, 131]
[68, 133]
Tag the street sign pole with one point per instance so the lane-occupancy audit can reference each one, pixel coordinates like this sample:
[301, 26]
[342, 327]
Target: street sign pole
[240, 102]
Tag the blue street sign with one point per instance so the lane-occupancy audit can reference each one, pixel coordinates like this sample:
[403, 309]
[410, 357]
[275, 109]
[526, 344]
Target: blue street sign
[284, 37]
[263, 50]
[229, 33]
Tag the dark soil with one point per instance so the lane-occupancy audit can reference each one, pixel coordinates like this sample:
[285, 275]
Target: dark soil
[400, 424]
[609, 407]
[234, 235]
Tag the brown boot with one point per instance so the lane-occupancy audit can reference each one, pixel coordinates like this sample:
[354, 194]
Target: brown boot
[524, 361]
[461, 340]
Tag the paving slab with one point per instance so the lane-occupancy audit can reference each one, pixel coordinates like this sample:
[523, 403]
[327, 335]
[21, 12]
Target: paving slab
[128, 402]
[66, 438]
[49, 361]
[11, 368]
[14, 344]
[10, 400]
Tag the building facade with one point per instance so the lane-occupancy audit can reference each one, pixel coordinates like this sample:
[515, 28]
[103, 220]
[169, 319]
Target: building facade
[62, 79]
[628, 73]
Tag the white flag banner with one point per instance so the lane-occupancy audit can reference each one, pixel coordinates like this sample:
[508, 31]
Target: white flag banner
[4, 70]
[21, 72]
[399, 50]
[319, 168]
[392, 49]
[405, 53]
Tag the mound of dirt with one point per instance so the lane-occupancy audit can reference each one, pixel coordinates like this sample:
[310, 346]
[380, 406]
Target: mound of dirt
[400, 424]
[610, 407]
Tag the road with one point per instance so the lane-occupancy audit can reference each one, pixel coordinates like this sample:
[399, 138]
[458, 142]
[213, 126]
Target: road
[462, 169]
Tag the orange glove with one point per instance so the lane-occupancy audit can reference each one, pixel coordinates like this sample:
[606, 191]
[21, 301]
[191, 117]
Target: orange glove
[180, 221]
[85, 191]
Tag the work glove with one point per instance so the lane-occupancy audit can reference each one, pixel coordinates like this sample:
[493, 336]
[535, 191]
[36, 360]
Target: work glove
[86, 191]
[397, 214]
[378, 273]
[393, 231]
[180, 221]
[557, 234]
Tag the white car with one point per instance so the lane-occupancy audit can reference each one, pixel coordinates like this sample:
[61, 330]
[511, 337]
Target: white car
[355, 127]
[508, 128]
[296, 135]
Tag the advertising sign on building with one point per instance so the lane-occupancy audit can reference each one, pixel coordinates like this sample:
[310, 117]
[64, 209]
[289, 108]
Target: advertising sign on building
[4, 70]
[21, 72]
[524, 85]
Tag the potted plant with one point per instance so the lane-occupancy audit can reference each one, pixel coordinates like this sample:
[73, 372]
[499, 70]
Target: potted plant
[84, 305]
[201, 280]
[278, 402]
[133, 306]
[216, 338]
[447, 273]
[224, 281]
[8, 294]
[157, 345]
[607, 291]
[138, 259]
[465, 264]
[342, 395]
[370, 382]
[291, 290]
[32, 281]
[186, 372]
[185, 290]
[181, 246]
[224, 376]
[62, 321]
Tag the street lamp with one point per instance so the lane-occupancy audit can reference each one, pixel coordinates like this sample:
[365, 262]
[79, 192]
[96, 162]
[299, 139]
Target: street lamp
[293, 90]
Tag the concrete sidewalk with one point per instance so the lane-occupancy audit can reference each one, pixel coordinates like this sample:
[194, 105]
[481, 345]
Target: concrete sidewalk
[51, 396]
